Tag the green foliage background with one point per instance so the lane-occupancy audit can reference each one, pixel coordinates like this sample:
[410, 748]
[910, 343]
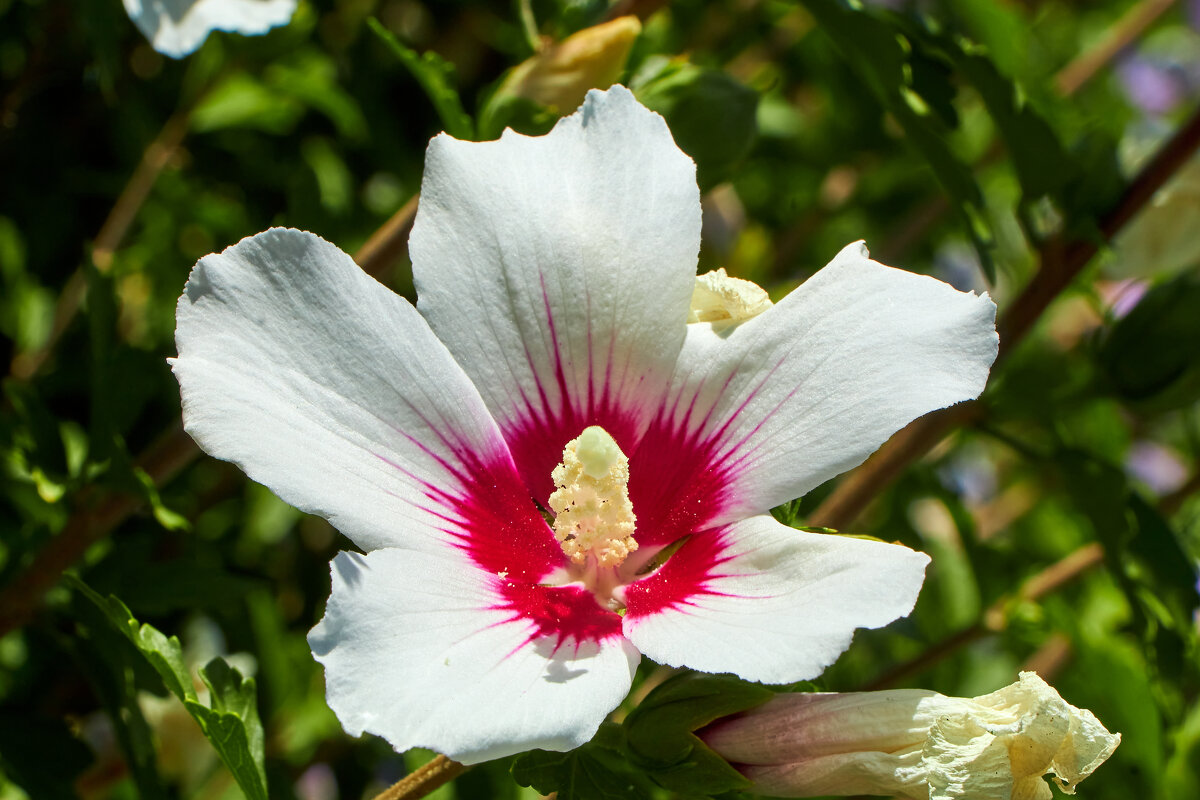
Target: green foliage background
[973, 140]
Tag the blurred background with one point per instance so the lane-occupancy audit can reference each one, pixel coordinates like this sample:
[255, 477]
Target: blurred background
[1036, 150]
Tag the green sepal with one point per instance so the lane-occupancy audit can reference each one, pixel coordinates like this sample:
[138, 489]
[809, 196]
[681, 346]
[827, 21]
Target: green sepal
[660, 732]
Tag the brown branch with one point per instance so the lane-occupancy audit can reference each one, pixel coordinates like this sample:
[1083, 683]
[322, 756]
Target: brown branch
[1046, 582]
[1067, 81]
[389, 243]
[96, 515]
[1173, 501]
[1061, 261]
[995, 618]
[1128, 29]
[108, 240]
[424, 780]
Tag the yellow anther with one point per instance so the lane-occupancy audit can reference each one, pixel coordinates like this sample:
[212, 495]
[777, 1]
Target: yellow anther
[592, 511]
[718, 298]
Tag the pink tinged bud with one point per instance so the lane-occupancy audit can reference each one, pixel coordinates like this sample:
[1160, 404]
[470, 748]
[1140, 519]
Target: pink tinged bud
[916, 743]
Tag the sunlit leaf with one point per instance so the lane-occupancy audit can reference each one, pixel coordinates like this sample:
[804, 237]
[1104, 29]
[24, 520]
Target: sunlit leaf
[231, 720]
[436, 77]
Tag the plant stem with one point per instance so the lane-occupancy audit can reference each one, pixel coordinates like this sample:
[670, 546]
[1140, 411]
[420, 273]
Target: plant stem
[1128, 29]
[1046, 582]
[388, 244]
[995, 617]
[108, 240]
[1061, 261]
[424, 780]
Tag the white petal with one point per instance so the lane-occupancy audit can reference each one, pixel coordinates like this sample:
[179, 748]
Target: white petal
[427, 652]
[332, 391]
[559, 269]
[177, 27]
[767, 602]
[812, 386]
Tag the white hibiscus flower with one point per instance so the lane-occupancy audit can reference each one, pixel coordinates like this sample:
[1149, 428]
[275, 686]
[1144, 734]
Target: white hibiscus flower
[550, 354]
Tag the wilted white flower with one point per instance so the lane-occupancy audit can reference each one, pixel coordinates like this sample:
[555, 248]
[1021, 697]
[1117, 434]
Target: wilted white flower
[917, 744]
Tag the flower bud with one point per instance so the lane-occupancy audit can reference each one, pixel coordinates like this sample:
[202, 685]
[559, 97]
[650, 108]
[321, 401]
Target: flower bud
[915, 743]
[561, 74]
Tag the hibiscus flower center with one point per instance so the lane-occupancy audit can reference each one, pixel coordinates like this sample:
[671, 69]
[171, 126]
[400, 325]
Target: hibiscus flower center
[593, 517]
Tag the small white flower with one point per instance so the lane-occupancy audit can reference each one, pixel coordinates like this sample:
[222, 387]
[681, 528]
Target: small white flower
[555, 276]
[916, 744]
[177, 27]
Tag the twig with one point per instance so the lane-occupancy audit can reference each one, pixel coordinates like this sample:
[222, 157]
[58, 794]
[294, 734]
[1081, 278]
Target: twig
[1173, 501]
[424, 780]
[108, 240]
[995, 617]
[1128, 29]
[95, 517]
[1051, 658]
[1061, 261]
[389, 242]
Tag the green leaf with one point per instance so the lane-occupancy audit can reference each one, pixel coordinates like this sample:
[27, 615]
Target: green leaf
[519, 113]
[580, 774]
[1042, 165]
[660, 731]
[711, 116]
[243, 101]
[1143, 554]
[1151, 356]
[436, 77]
[230, 723]
[310, 77]
[916, 91]
[115, 671]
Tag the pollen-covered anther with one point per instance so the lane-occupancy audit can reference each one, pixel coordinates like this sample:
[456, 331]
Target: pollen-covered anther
[592, 512]
[723, 300]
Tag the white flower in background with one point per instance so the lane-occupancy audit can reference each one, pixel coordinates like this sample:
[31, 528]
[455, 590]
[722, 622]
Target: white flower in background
[915, 743]
[177, 27]
[549, 365]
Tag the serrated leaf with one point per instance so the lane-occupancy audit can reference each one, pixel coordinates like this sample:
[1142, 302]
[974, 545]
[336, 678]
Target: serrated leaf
[115, 669]
[163, 653]
[231, 724]
[436, 77]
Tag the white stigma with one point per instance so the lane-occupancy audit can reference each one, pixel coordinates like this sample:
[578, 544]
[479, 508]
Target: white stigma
[592, 512]
[718, 298]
